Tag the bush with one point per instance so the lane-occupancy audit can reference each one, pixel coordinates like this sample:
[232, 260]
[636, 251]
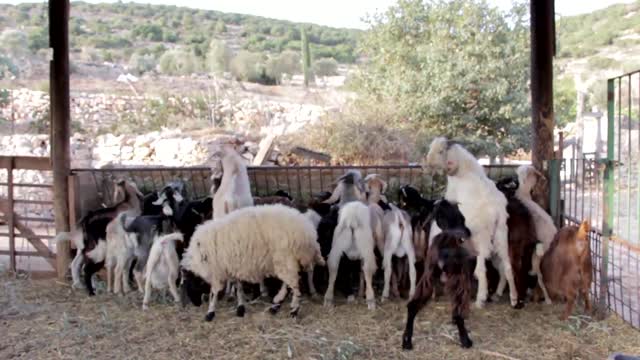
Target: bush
[248, 66]
[149, 32]
[349, 136]
[141, 64]
[602, 63]
[13, 42]
[325, 67]
[7, 68]
[178, 62]
[287, 63]
[218, 57]
[38, 39]
[220, 27]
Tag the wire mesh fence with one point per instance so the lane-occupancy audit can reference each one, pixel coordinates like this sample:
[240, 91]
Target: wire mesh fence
[96, 186]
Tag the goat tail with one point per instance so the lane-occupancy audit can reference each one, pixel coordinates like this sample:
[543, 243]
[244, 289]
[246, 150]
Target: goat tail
[176, 236]
[458, 288]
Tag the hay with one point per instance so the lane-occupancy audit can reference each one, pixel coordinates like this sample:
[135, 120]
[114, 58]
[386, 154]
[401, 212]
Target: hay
[45, 319]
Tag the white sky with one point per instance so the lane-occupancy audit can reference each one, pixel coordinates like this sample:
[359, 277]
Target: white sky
[339, 13]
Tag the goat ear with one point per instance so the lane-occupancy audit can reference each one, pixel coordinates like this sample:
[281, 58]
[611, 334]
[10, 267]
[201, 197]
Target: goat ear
[160, 200]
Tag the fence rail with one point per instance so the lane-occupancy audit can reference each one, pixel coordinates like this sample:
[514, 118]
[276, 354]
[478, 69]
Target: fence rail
[26, 210]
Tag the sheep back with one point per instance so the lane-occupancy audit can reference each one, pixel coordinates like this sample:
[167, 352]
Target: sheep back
[251, 243]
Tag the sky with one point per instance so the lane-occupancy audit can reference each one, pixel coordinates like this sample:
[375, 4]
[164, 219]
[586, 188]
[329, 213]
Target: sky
[338, 13]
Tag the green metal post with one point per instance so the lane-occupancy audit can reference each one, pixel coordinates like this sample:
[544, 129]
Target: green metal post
[554, 190]
[608, 201]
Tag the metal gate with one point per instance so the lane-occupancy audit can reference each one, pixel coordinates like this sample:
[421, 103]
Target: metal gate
[604, 187]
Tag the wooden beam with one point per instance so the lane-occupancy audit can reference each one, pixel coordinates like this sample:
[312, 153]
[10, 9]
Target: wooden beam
[60, 119]
[264, 150]
[310, 154]
[25, 162]
[542, 117]
[28, 234]
[11, 218]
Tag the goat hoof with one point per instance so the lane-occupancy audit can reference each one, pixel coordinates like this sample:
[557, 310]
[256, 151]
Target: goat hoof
[274, 309]
[145, 307]
[519, 305]
[371, 304]
[76, 285]
[351, 299]
[547, 301]
[294, 313]
[406, 343]
[240, 311]
[328, 302]
[466, 343]
[210, 316]
[479, 304]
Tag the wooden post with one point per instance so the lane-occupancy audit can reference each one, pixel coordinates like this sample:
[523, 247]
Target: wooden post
[542, 117]
[60, 118]
[10, 217]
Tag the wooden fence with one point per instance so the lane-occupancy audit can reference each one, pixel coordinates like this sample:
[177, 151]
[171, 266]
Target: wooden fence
[26, 207]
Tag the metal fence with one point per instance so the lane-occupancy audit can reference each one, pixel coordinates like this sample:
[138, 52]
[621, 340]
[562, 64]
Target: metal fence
[604, 187]
[95, 186]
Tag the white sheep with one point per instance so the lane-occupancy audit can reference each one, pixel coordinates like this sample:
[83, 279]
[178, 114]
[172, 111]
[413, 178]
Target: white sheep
[545, 228]
[353, 237]
[483, 206]
[250, 244]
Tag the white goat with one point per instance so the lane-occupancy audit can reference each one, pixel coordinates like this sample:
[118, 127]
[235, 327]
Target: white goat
[162, 267]
[353, 237]
[483, 206]
[545, 228]
[398, 241]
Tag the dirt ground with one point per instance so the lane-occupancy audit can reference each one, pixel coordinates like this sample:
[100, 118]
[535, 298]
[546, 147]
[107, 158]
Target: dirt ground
[45, 319]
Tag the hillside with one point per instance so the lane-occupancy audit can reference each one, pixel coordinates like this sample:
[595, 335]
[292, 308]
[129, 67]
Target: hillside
[138, 35]
[593, 47]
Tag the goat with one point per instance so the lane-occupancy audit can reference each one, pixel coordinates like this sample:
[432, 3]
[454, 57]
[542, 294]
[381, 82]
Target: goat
[91, 240]
[566, 267]
[349, 188]
[522, 241]
[484, 207]
[447, 255]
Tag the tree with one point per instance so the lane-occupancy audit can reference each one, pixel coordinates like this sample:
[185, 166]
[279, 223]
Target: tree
[220, 27]
[287, 63]
[140, 64]
[13, 42]
[178, 62]
[218, 57]
[564, 100]
[325, 67]
[306, 56]
[456, 68]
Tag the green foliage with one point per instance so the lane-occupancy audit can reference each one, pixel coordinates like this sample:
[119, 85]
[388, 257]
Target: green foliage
[602, 63]
[287, 63]
[220, 27]
[455, 68]
[306, 56]
[178, 62]
[218, 57]
[325, 67]
[149, 32]
[584, 35]
[597, 94]
[13, 42]
[7, 68]
[141, 64]
[564, 101]
[38, 39]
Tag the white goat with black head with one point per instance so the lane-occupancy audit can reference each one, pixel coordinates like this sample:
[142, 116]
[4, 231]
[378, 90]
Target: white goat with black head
[483, 206]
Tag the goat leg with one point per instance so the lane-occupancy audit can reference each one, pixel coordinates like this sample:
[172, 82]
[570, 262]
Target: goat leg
[419, 300]
[90, 268]
[465, 341]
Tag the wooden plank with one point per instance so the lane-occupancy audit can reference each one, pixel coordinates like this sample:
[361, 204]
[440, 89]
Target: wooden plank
[24, 253]
[36, 219]
[32, 202]
[9, 214]
[310, 154]
[31, 237]
[264, 149]
[26, 162]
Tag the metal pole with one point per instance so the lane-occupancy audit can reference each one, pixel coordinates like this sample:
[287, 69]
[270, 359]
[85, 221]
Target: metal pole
[60, 116]
[10, 218]
[607, 204]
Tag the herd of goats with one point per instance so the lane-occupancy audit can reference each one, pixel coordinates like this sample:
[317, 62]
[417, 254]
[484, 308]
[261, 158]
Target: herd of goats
[231, 243]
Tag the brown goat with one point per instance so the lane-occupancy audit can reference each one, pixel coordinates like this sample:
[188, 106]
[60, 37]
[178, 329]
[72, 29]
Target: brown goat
[566, 266]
